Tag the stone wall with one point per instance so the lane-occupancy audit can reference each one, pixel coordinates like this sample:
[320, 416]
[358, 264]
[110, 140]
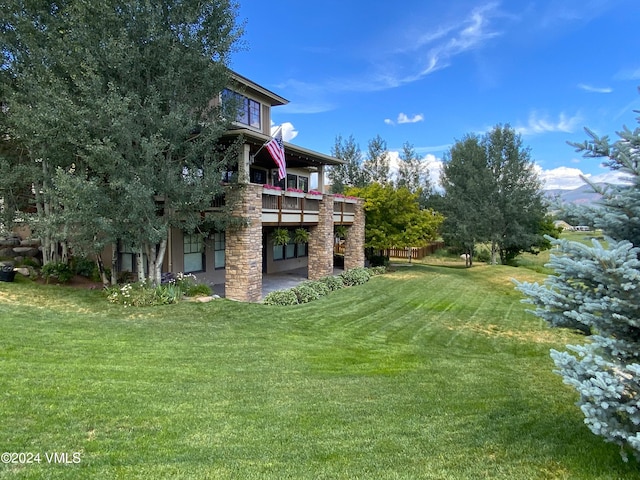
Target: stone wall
[354, 246]
[321, 242]
[243, 246]
[16, 250]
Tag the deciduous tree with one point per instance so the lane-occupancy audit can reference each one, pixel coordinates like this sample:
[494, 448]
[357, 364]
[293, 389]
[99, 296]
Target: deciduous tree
[112, 100]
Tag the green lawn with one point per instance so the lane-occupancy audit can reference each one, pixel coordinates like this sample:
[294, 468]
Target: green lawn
[427, 372]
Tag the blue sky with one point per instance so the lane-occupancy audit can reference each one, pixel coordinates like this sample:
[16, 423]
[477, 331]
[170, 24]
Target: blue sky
[429, 72]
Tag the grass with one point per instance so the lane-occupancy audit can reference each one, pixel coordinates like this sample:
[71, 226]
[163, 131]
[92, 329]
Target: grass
[432, 371]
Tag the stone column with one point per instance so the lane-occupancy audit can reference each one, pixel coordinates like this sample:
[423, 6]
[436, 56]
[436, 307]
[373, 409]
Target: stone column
[243, 246]
[354, 246]
[321, 242]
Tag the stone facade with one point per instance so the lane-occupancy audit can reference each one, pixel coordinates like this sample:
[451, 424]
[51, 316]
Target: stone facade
[243, 246]
[321, 242]
[354, 247]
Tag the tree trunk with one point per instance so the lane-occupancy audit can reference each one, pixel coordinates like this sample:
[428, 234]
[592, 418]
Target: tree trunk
[103, 274]
[156, 257]
[494, 251]
[140, 265]
[114, 263]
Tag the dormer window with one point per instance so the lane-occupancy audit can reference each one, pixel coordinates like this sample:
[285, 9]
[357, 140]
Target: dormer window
[248, 110]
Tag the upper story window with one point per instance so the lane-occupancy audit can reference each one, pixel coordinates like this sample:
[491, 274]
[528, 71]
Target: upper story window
[248, 112]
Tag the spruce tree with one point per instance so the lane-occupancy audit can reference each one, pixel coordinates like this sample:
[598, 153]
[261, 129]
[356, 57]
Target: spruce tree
[597, 290]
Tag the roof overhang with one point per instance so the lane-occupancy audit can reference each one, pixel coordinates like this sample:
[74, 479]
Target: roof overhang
[274, 98]
[300, 154]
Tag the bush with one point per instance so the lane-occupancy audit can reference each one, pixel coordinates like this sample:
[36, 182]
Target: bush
[142, 295]
[83, 266]
[198, 290]
[377, 270]
[281, 297]
[379, 261]
[320, 287]
[58, 270]
[305, 293]
[333, 282]
[355, 276]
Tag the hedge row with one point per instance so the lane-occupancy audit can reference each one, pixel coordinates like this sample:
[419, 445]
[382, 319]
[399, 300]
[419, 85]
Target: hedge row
[314, 289]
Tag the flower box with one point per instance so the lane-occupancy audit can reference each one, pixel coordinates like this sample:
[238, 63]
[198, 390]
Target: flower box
[294, 193]
[313, 195]
[270, 190]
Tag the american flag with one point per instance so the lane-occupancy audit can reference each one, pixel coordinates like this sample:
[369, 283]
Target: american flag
[276, 149]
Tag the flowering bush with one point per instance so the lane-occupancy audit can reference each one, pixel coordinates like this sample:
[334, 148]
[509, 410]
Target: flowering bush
[142, 294]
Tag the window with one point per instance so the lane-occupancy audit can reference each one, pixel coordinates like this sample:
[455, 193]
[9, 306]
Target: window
[248, 110]
[257, 176]
[298, 181]
[128, 259]
[193, 253]
[218, 249]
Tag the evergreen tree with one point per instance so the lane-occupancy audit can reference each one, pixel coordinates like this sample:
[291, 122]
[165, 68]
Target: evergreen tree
[597, 290]
[376, 165]
[413, 173]
[351, 173]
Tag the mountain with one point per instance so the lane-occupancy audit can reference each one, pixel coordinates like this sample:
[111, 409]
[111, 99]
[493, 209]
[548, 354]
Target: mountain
[580, 196]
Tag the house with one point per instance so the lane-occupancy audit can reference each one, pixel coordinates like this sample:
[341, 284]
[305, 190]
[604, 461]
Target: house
[240, 257]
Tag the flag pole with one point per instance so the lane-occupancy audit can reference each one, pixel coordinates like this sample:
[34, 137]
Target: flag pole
[275, 133]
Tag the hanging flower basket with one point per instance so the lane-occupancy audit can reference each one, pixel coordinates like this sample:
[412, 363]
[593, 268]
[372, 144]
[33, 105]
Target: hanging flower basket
[301, 235]
[280, 236]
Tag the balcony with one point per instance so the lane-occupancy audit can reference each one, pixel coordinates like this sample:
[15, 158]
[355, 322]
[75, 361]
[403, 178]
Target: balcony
[286, 207]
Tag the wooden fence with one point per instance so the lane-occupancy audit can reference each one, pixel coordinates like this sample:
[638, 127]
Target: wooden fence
[416, 252]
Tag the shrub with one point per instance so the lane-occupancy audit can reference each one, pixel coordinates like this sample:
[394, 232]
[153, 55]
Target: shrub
[333, 282]
[59, 270]
[320, 287]
[83, 266]
[199, 289]
[377, 270]
[379, 260]
[305, 293]
[142, 295]
[355, 276]
[281, 297]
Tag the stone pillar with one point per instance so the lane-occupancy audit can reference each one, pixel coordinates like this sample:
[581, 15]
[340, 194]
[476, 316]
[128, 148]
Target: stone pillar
[244, 160]
[354, 246]
[243, 246]
[321, 242]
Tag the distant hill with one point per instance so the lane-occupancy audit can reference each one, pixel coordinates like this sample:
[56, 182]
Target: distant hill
[580, 196]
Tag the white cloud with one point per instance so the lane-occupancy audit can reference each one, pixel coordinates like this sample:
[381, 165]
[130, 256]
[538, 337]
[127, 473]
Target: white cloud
[592, 89]
[564, 178]
[404, 118]
[289, 132]
[538, 124]
[567, 178]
